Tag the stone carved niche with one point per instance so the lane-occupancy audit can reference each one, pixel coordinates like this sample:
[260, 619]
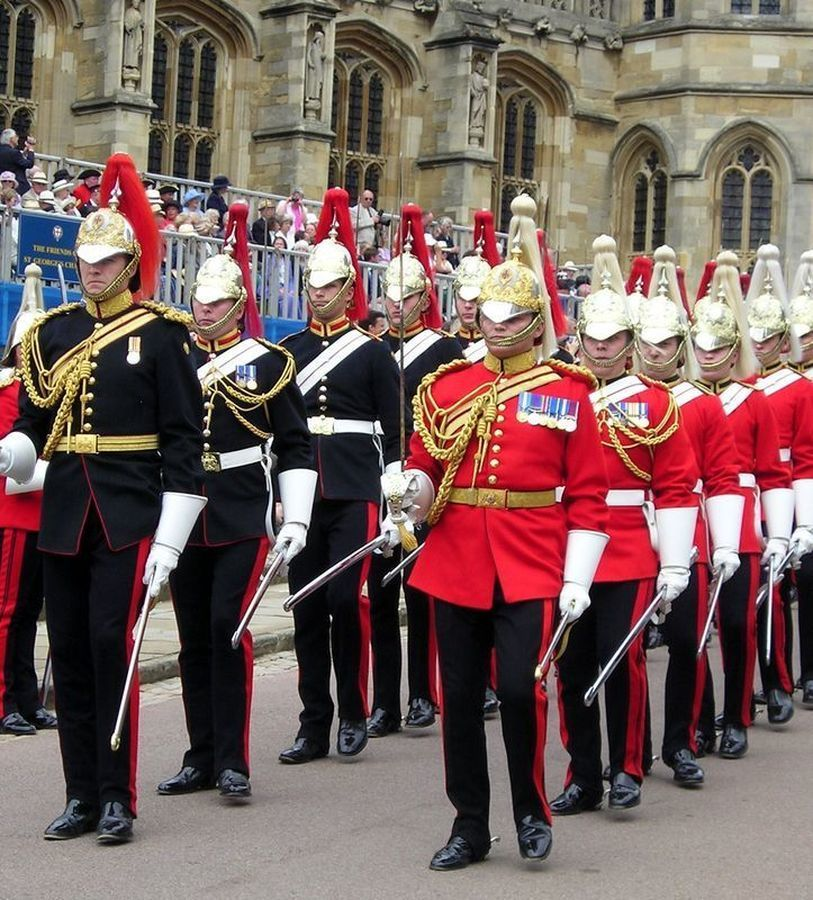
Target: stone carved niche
[133, 46]
[478, 96]
[314, 72]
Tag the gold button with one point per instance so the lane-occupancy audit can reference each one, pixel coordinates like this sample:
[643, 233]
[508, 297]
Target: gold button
[95, 353]
[207, 405]
[88, 396]
[500, 418]
[501, 408]
[492, 479]
[94, 365]
[98, 325]
[496, 448]
[207, 447]
[206, 432]
[87, 426]
[498, 432]
[91, 380]
[493, 463]
[88, 410]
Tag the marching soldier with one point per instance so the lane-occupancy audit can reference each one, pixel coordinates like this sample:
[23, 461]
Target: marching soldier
[801, 323]
[505, 464]
[21, 589]
[664, 349]
[413, 314]
[649, 464]
[469, 275]
[350, 384]
[726, 357]
[252, 406]
[790, 396]
[111, 399]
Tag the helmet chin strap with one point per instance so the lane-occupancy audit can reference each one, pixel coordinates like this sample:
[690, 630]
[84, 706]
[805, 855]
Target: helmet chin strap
[660, 366]
[771, 356]
[604, 363]
[337, 301]
[511, 339]
[209, 331]
[414, 314]
[714, 367]
[117, 285]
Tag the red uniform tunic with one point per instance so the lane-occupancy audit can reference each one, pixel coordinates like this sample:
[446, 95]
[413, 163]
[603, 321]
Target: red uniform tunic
[21, 511]
[667, 473]
[525, 548]
[791, 399]
[707, 428]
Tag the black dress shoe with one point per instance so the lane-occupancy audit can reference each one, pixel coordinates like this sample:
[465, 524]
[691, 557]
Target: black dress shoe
[719, 722]
[352, 737]
[457, 854]
[807, 694]
[304, 750]
[14, 723]
[625, 793]
[706, 744]
[759, 698]
[687, 772]
[188, 780]
[41, 719]
[382, 723]
[421, 714]
[734, 742]
[491, 705]
[535, 838]
[575, 799]
[233, 785]
[79, 818]
[780, 707]
[116, 824]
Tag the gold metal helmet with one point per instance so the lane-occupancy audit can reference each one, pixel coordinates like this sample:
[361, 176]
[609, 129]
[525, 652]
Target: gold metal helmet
[404, 276]
[605, 312]
[715, 324]
[469, 277]
[509, 290]
[31, 309]
[219, 278]
[329, 261]
[662, 316]
[801, 305]
[105, 233]
[766, 318]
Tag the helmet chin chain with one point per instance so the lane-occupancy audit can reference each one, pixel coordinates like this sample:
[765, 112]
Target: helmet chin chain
[332, 305]
[714, 367]
[413, 315]
[117, 285]
[660, 366]
[604, 363]
[512, 339]
[209, 331]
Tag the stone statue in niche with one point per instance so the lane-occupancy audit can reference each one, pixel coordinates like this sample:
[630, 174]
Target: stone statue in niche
[314, 74]
[478, 94]
[133, 45]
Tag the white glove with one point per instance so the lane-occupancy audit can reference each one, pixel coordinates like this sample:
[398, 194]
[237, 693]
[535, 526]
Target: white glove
[801, 543]
[161, 563]
[726, 560]
[179, 513]
[573, 601]
[18, 457]
[5, 460]
[389, 530]
[674, 580]
[291, 539]
[775, 549]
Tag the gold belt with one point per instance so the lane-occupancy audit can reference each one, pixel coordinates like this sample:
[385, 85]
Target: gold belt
[107, 443]
[498, 498]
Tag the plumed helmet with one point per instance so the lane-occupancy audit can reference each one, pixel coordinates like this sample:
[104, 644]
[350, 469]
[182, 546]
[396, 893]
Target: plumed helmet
[510, 289]
[468, 279]
[31, 309]
[801, 304]
[605, 312]
[219, 278]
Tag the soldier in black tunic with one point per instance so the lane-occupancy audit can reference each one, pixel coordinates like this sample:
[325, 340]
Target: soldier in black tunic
[253, 420]
[111, 399]
[350, 384]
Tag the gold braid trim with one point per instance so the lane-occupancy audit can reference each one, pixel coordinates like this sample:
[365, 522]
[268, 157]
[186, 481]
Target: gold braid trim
[168, 313]
[482, 414]
[645, 437]
[581, 372]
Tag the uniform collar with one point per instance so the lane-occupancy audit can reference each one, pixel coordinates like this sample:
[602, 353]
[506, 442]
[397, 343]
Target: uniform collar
[801, 367]
[773, 367]
[673, 381]
[605, 382]
[222, 343]
[469, 334]
[714, 387]
[410, 332]
[109, 308]
[329, 329]
[512, 364]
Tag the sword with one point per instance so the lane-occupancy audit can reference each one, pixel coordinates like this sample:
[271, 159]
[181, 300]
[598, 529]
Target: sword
[769, 612]
[714, 599]
[542, 668]
[401, 566]
[762, 593]
[277, 559]
[63, 290]
[336, 569]
[115, 738]
[45, 688]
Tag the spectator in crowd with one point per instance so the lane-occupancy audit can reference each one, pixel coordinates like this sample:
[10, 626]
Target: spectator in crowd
[364, 218]
[566, 276]
[171, 210]
[38, 183]
[70, 207]
[375, 323]
[93, 201]
[167, 192]
[62, 188]
[286, 228]
[63, 175]
[217, 198]
[446, 237]
[89, 179]
[310, 232]
[47, 202]
[191, 202]
[294, 207]
[263, 229]
[8, 182]
[209, 224]
[14, 160]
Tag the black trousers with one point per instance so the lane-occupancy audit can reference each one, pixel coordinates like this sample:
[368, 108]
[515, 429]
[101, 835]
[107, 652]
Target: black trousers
[615, 607]
[386, 635]
[777, 673]
[737, 621]
[804, 586]
[520, 633]
[210, 590]
[20, 605]
[94, 598]
[335, 620]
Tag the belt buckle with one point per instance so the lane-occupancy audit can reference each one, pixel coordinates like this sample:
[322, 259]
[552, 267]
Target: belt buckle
[210, 461]
[85, 443]
[322, 425]
[492, 497]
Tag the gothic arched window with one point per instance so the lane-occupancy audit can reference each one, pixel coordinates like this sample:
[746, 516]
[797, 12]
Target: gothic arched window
[747, 199]
[517, 149]
[18, 27]
[183, 135]
[648, 200]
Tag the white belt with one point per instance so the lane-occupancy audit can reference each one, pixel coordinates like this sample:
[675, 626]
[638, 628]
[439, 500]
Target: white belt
[626, 498]
[784, 454]
[218, 462]
[326, 425]
[748, 480]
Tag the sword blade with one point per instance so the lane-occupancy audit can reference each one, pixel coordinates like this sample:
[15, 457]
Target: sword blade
[336, 569]
[769, 611]
[762, 593]
[714, 599]
[115, 738]
[542, 668]
[276, 562]
[401, 566]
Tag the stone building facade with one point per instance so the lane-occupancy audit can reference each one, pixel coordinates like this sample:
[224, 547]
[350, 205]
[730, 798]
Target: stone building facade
[656, 120]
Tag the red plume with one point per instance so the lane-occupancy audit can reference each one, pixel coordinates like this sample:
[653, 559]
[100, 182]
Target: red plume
[705, 281]
[412, 226]
[641, 267]
[681, 280]
[120, 175]
[549, 272]
[745, 281]
[237, 233]
[484, 232]
[336, 207]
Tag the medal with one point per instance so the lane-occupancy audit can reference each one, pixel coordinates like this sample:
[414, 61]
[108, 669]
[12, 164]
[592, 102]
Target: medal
[134, 350]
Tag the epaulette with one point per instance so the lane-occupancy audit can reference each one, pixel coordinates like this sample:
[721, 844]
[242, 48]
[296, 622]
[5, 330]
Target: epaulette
[168, 312]
[702, 387]
[443, 333]
[366, 333]
[431, 377]
[653, 382]
[580, 373]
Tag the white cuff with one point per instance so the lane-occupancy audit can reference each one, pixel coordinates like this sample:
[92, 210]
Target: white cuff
[803, 501]
[777, 507]
[28, 487]
[724, 516]
[179, 512]
[676, 535]
[297, 488]
[582, 556]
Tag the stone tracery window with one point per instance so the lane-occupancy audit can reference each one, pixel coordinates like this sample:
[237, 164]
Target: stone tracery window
[646, 198]
[18, 26]
[183, 133]
[746, 188]
[658, 9]
[516, 150]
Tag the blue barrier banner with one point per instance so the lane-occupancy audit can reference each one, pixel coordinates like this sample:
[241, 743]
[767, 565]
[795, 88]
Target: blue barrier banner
[47, 239]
